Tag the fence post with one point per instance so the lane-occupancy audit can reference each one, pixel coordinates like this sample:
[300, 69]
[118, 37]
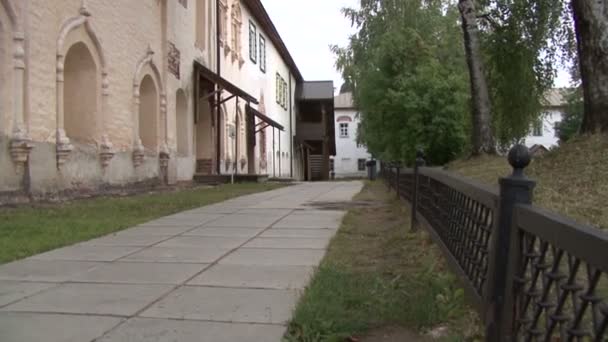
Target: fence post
[397, 189]
[419, 163]
[514, 189]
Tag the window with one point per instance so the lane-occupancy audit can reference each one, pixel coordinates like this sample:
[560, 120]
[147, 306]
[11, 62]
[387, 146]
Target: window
[343, 130]
[253, 47]
[236, 33]
[358, 135]
[278, 86]
[262, 54]
[331, 164]
[537, 130]
[285, 94]
[183, 3]
[361, 164]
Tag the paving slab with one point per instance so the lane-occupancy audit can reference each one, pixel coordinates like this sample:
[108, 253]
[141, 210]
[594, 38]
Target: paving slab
[106, 299]
[304, 243]
[238, 220]
[87, 253]
[204, 242]
[177, 255]
[226, 305]
[165, 330]
[11, 291]
[298, 233]
[140, 273]
[238, 293]
[224, 232]
[155, 230]
[35, 327]
[274, 212]
[311, 221]
[254, 276]
[187, 220]
[126, 240]
[44, 270]
[259, 256]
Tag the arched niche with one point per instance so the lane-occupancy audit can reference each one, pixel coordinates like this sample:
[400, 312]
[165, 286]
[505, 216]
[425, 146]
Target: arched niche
[80, 47]
[182, 119]
[81, 93]
[149, 108]
[148, 113]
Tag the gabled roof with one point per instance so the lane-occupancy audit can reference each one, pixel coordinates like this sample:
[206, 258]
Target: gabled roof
[259, 12]
[555, 97]
[315, 90]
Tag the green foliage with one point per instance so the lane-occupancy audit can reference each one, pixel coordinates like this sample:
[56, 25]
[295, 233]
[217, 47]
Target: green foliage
[524, 41]
[340, 303]
[571, 122]
[407, 67]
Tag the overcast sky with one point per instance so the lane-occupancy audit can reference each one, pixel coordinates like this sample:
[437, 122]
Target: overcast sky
[308, 27]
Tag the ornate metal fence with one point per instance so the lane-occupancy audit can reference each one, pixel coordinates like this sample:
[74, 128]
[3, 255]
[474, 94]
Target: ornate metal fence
[532, 275]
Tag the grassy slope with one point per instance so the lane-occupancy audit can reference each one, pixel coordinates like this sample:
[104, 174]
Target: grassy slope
[571, 180]
[376, 274]
[26, 231]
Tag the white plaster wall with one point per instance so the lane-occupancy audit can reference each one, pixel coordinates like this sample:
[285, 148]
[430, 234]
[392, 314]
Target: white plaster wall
[347, 152]
[548, 138]
[250, 78]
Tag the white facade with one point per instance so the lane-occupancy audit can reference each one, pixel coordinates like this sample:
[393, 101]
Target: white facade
[544, 132]
[350, 157]
[258, 68]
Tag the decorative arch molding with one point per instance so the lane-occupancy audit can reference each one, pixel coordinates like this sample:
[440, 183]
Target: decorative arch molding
[344, 118]
[237, 26]
[20, 144]
[146, 66]
[81, 24]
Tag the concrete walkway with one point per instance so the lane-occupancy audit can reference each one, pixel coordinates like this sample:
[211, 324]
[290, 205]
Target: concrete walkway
[231, 271]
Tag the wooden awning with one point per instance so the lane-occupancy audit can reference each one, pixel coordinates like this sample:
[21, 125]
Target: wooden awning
[266, 121]
[223, 83]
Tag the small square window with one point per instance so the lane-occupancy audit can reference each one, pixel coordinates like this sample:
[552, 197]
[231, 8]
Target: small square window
[537, 129]
[361, 164]
[343, 130]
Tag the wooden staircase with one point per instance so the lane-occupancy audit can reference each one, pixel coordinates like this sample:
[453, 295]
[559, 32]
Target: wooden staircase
[316, 166]
[204, 166]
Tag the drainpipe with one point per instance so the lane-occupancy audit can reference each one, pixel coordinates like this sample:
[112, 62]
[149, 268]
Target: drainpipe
[290, 130]
[218, 95]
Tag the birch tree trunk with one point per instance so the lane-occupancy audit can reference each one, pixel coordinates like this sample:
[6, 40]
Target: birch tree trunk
[591, 25]
[482, 138]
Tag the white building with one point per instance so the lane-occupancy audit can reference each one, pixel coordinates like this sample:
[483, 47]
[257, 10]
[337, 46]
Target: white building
[543, 132]
[350, 157]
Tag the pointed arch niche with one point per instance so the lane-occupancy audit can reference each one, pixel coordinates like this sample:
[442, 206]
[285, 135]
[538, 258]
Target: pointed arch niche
[182, 122]
[82, 88]
[149, 110]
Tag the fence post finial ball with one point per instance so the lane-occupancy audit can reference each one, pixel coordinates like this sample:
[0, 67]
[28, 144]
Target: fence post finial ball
[419, 153]
[519, 157]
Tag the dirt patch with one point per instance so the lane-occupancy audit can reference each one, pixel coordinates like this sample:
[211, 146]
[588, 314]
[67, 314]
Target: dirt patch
[346, 205]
